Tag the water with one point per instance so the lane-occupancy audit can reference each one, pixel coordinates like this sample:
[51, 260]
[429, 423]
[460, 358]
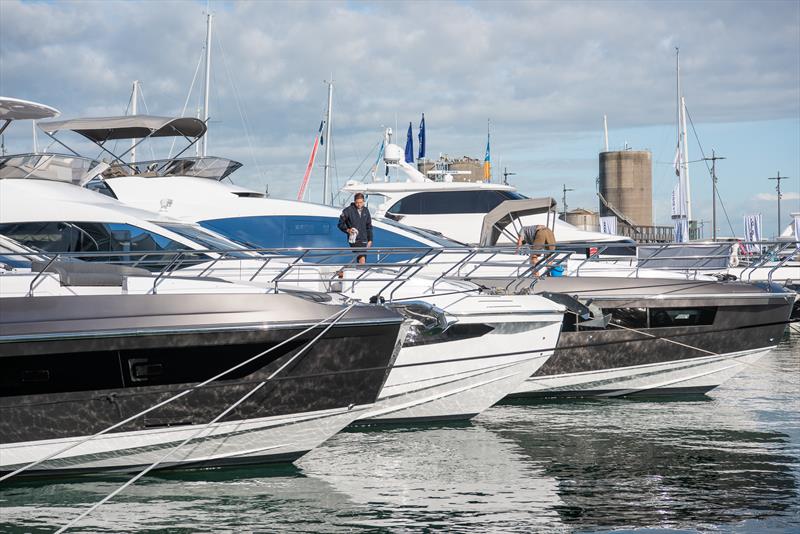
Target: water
[729, 461]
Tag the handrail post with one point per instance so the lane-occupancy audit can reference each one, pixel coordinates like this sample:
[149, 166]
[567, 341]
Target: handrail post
[39, 274]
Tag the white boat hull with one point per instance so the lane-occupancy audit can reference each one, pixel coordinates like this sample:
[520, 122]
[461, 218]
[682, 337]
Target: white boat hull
[691, 375]
[428, 384]
[263, 440]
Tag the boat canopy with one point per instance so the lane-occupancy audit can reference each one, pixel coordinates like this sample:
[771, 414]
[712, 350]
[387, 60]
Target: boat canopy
[14, 109]
[101, 129]
[211, 167]
[505, 213]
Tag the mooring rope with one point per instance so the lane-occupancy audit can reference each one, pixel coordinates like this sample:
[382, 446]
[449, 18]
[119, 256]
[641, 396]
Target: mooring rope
[173, 398]
[205, 427]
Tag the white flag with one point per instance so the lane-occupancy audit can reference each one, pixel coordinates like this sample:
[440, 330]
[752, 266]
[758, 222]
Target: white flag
[796, 228]
[681, 231]
[608, 225]
[752, 233]
[676, 200]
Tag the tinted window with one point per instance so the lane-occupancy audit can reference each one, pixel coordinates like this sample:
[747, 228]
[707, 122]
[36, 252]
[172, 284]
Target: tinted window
[511, 195]
[628, 317]
[206, 239]
[59, 236]
[665, 317]
[448, 202]
[266, 231]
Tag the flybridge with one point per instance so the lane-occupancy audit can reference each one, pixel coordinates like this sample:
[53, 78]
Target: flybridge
[100, 130]
[80, 170]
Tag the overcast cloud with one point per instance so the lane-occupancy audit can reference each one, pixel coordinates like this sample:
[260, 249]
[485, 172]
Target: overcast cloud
[545, 72]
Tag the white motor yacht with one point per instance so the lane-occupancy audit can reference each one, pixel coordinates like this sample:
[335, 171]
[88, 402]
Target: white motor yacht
[466, 351]
[107, 367]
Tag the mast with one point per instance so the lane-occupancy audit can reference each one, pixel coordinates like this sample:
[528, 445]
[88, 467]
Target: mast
[325, 182]
[35, 138]
[685, 177]
[204, 142]
[134, 102]
[605, 130]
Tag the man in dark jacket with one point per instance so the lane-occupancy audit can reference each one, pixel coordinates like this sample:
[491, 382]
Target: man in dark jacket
[356, 222]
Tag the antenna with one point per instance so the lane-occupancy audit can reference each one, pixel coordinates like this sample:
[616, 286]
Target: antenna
[713, 159]
[134, 111]
[780, 196]
[564, 199]
[204, 142]
[506, 174]
[325, 180]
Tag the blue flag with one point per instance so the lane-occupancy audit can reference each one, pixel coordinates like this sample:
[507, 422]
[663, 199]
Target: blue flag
[421, 138]
[409, 146]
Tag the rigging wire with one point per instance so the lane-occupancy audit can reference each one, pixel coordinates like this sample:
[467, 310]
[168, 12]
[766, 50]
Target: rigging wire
[186, 102]
[242, 114]
[702, 152]
[146, 110]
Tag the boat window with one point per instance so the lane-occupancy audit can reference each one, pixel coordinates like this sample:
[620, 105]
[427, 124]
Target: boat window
[448, 202]
[275, 231]
[511, 195]
[375, 201]
[206, 239]
[628, 317]
[62, 236]
[664, 317]
[254, 232]
[428, 235]
[12, 261]
[100, 186]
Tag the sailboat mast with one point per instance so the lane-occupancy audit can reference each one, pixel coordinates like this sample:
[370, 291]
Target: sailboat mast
[204, 143]
[134, 111]
[685, 176]
[325, 195]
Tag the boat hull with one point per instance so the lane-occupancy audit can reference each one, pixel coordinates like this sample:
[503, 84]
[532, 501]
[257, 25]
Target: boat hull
[62, 382]
[460, 379]
[675, 377]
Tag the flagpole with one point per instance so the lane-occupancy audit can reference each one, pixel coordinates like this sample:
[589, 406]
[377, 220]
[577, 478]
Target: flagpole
[327, 143]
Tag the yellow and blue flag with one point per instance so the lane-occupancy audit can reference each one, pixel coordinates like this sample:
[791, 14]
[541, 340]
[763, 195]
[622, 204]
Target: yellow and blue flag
[487, 161]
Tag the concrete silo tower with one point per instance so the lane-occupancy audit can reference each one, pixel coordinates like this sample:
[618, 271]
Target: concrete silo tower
[626, 186]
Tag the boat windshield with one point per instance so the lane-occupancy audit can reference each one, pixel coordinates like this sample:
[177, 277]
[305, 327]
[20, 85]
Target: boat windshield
[208, 240]
[56, 167]
[430, 235]
[105, 242]
[213, 168]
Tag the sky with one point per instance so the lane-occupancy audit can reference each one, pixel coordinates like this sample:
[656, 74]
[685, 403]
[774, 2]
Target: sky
[544, 72]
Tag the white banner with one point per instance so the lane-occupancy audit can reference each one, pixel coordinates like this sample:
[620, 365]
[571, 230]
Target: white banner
[608, 225]
[681, 231]
[676, 199]
[752, 232]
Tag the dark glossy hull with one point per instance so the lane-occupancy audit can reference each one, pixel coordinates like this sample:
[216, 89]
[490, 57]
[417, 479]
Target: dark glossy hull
[73, 366]
[736, 324]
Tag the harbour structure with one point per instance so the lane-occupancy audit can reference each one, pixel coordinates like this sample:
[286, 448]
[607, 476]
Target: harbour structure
[584, 219]
[625, 191]
[446, 169]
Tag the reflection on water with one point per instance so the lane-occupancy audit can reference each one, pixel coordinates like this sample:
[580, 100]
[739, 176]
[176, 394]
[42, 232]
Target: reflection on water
[729, 461]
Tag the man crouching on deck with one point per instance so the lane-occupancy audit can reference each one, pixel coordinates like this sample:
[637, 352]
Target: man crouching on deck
[356, 222]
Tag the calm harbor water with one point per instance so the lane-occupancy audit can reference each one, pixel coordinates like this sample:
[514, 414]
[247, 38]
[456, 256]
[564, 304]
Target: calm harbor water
[729, 461]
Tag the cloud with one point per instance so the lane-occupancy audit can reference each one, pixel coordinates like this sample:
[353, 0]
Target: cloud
[545, 72]
[773, 197]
